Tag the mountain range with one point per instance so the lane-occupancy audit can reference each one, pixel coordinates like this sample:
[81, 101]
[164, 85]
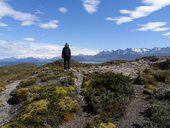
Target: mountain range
[120, 54]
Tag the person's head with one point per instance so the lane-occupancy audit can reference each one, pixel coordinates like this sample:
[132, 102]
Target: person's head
[66, 45]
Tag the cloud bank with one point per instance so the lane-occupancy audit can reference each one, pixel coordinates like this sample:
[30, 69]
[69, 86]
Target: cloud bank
[37, 50]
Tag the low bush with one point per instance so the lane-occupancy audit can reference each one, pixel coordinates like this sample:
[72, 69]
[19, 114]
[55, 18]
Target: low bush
[107, 94]
[145, 77]
[158, 113]
[27, 82]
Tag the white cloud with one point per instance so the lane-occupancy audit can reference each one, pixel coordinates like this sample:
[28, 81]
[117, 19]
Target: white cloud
[3, 24]
[26, 19]
[110, 19]
[148, 8]
[39, 12]
[121, 20]
[91, 6]
[167, 34]
[154, 26]
[7, 11]
[63, 10]
[29, 39]
[38, 50]
[50, 25]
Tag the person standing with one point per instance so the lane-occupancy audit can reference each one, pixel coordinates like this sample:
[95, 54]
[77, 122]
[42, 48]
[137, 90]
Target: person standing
[66, 55]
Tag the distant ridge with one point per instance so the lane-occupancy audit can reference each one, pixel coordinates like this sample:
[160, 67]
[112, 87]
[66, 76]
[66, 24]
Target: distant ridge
[127, 54]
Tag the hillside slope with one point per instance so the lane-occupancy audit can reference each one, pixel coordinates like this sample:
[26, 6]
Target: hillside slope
[113, 94]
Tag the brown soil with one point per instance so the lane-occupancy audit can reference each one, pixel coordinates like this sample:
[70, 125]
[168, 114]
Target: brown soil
[134, 117]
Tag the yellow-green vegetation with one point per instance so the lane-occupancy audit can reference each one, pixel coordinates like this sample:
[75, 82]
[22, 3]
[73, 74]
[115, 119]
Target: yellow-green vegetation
[107, 125]
[64, 91]
[107, 95]
[67, 104]
[1, 104]
[2, 87]
[146, 77]
[9, 74]
[34, 108]
[5, 126]
[44, 105]
[27, 82]
[149, 89]
[151, 78]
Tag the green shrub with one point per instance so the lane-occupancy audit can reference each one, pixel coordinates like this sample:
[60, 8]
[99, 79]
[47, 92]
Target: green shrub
[162, 93]
[27, 82]
[159, 112]
[145, 77]
[107, 93]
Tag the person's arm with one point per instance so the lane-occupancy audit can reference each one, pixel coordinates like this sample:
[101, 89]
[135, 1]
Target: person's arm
[62, 53]
[70, 53]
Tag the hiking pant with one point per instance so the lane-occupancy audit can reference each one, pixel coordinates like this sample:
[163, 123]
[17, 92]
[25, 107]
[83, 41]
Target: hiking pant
[66, 63]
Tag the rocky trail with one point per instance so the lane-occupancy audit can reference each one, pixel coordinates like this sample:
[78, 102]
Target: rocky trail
[134, 117]
[5, 108]
[81, 117]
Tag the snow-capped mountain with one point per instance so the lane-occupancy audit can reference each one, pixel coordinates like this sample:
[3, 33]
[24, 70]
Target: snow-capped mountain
[131, 53]
[120, 54]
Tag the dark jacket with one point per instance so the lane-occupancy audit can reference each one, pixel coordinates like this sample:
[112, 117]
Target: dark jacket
[66, 53]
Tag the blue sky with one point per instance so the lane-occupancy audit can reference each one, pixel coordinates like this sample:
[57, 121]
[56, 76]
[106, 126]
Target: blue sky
[37, 28]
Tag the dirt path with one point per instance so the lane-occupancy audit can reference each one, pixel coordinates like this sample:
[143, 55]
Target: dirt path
[5, 108]
[81, 117]
[134, 117]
